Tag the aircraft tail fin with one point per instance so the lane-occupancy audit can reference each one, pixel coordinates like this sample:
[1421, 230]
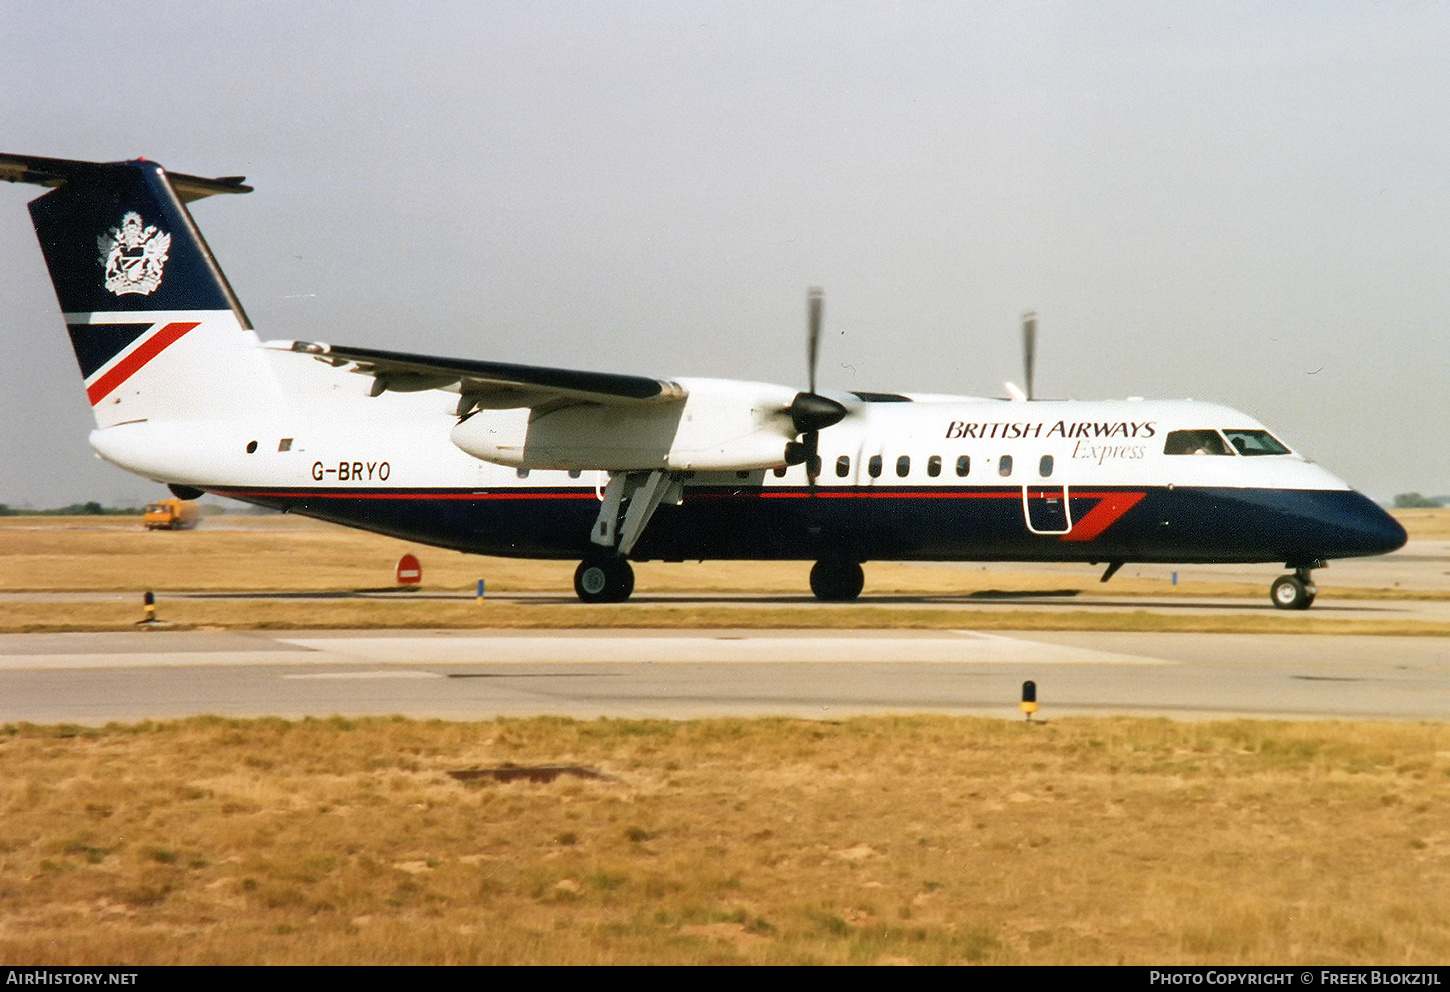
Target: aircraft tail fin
[156, 328]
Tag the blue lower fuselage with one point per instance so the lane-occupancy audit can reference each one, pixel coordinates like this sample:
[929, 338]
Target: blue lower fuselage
[1099, 524]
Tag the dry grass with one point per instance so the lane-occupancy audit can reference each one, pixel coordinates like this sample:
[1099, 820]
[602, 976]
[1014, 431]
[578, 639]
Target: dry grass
[1425, 525]
[927, 840]
[261, 553]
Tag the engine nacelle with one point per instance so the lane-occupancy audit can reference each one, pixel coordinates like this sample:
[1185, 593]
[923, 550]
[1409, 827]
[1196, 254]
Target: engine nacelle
[720, 425]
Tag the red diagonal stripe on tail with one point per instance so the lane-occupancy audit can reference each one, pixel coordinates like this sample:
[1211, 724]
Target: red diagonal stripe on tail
[137, 359]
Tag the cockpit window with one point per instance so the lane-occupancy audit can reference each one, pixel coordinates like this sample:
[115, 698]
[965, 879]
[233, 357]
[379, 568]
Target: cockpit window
[1195, 443]
[1256, 443]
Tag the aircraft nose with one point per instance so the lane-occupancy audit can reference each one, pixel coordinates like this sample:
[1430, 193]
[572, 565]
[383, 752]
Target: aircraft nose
[1363, 527]
[1380, 532]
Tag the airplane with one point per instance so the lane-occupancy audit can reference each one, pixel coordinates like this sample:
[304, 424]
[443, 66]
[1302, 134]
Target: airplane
[606, 468]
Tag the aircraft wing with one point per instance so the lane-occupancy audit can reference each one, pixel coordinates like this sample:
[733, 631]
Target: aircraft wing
[490, 385]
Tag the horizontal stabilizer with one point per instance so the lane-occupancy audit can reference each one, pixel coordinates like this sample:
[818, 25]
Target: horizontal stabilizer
[55, 172]
[490, 385]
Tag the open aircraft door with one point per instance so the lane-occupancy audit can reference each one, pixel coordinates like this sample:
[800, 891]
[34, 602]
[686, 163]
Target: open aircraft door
[1045, 506]
[1046, 509]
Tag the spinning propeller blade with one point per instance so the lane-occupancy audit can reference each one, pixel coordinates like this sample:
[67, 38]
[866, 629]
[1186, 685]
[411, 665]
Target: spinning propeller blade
[815, 305]
[1029, 348]
[810, 412]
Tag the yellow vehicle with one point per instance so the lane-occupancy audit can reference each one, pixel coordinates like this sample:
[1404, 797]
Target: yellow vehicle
[172, 514]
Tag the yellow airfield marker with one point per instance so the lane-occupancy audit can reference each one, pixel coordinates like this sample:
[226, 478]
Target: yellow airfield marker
[148, 605]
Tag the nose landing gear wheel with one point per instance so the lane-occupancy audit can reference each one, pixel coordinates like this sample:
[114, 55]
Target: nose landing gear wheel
[603, 580]
[837, 581]
[1290, 592]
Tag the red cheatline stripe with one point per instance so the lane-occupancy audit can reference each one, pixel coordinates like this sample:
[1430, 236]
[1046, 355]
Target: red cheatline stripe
[906, 492]
[137, 359]
[346, 494]
[903, 493]
[1123, 501]
[1110, 507]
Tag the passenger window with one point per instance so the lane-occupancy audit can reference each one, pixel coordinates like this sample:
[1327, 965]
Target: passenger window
[903, 466]
[1194, 443]
[574, 473]
[1044, 467]
[1004, 466]
[742, 475]
[933, 466]
[523, 473]
[873, 467]
[843, 467]
[779, 471]
[964, 464]
[1256, 443]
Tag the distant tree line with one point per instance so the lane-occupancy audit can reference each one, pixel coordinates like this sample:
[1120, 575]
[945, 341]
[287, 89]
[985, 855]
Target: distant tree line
[91, 509]
[1414, 501]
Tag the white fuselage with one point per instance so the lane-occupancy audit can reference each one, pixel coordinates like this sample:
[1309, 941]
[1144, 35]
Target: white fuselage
[329, 434]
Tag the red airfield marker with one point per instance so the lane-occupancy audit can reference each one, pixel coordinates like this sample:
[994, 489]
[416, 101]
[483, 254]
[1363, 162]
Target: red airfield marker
[410, 570]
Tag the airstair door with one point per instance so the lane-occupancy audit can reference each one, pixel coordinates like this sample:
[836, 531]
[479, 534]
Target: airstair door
[1046, 509]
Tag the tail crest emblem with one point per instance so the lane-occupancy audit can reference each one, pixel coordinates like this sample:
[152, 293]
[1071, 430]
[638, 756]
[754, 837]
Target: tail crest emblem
[134, 256]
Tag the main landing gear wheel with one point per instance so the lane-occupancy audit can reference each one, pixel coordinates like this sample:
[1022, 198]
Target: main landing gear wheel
[837, 581]
[603, 580]
[1292, 592]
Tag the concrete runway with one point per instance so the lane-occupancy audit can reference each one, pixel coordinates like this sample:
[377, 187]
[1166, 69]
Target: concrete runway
[96, 678]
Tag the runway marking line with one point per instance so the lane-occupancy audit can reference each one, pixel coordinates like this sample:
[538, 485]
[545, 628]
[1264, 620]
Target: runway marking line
[390, 674]
[965, 647]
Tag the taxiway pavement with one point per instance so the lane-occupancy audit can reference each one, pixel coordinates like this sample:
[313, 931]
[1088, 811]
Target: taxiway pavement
[95, 678]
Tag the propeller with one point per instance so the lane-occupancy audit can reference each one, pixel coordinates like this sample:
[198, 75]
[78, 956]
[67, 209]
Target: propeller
[1029, 359]
[1029, 348]
[810, 412]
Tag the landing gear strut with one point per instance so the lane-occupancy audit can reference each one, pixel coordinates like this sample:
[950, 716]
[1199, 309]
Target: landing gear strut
[1293, 592]
[837, 581]
[603, 580]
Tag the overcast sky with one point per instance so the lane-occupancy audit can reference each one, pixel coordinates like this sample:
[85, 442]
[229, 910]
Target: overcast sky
[1245, 203]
